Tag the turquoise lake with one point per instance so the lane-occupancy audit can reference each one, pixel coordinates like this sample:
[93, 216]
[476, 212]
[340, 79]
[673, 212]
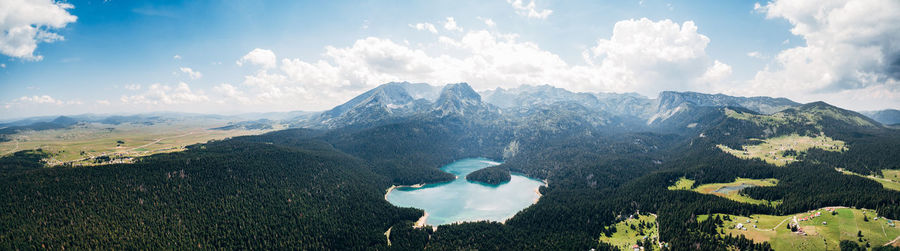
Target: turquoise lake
[462, 200]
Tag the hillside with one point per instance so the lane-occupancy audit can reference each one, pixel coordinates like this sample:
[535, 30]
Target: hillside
[602, 156]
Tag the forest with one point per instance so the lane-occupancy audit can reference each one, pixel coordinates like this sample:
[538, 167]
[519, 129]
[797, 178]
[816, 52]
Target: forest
[324, 189]
[493, 175]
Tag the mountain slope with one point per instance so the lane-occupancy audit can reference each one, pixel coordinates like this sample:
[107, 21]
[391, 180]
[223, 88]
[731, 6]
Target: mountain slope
[383, 103]
[886, 117]
[461, 100]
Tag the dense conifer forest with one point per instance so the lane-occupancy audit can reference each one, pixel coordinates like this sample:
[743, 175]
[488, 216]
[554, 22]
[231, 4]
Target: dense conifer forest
[324, 189]
[493, 175]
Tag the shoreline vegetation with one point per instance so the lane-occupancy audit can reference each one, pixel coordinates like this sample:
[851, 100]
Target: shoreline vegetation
[491, 175]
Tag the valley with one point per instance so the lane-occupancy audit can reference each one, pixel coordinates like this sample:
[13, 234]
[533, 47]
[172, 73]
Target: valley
[889, 178]
[635, 229]
[730, 190]
[373, 172]
[819, 229]
[784, 150]
[99, 143]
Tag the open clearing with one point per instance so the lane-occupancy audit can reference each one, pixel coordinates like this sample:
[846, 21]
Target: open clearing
[823, 232]
[890, 178]
[784, 150]
[729, 190]
[683, 184]
[625, 237]
[80, 144]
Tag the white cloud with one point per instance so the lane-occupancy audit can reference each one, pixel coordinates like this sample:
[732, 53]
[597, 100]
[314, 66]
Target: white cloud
[166, 95]
[642, 55]
[649, 57]
[851, 46]
[424, 26]
[264, 58]
[24, 24]
[191, 73]
[489, 22]
[529, 10]
[133, 87]
[756, 54]
[176, 57]
[44, 99]
[2, 65]
[103, 102]
[232, 93]
[450, 25]
[716, 73]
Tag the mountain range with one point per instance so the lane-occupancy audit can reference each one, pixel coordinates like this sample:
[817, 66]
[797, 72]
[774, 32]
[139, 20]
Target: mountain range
[604, 158]
[670, 111]
[395, 101]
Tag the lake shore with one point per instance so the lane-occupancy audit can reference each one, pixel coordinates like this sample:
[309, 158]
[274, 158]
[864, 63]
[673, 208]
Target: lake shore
[421, 222]
[482, 195]
[396, 186]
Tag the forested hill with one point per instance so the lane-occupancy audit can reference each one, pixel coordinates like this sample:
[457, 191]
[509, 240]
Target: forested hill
[233, 193]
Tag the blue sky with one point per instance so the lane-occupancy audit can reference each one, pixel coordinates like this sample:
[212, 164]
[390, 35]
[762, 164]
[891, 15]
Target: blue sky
[248, 56]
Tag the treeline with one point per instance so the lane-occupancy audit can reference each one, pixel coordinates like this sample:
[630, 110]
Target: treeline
[493, 175]
[232, 193]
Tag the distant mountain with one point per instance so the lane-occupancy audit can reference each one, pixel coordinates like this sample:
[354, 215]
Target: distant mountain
[677, 110]
[259, 121]
[399, 100]
[765, 105]
[385, 102]
[671, 111]
[627, 104]
[886, 117]
[821, 113]
[57, 123]
[261, 124]
[461, 100]
[528, 95]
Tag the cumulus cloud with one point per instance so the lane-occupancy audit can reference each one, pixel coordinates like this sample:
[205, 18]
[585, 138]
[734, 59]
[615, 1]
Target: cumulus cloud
[24, 24]
[489, 22]
[176, 57]
[191, 73]
[261, 57]
[648, 57]
[166, 95]
[450, 25]
[424, 27]
[642, 55]
[231, 92]
[529, 10]
[851, 46]
[44, 99]
[715, 74]
[26, 102]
